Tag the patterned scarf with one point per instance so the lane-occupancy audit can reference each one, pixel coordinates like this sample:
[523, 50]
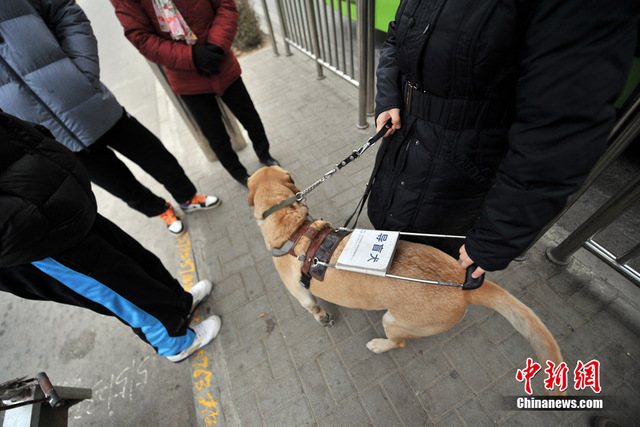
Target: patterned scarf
[171, 21]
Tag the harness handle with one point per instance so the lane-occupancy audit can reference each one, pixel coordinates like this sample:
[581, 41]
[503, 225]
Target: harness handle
[471, 283]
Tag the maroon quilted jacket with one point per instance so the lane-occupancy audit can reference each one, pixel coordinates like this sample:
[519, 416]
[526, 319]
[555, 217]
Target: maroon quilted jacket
[212, 21]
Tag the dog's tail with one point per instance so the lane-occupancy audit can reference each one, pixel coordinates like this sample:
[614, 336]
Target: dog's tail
[522, 318]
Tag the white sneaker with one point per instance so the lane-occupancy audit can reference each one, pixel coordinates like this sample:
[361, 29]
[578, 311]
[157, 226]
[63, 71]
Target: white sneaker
[200, 202]
[174, 224]
[205, 332]
[200, 291]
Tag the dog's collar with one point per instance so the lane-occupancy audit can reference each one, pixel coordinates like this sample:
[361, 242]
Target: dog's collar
[283, 204]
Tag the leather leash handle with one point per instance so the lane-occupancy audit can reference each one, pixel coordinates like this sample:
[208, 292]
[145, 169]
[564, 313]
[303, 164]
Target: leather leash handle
[471, 283]
[381, 132]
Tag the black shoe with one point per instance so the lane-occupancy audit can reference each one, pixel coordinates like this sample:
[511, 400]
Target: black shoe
[271, 162]
[244, 180]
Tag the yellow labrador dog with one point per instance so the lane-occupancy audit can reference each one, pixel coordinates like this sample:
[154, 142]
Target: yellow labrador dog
[413, 309]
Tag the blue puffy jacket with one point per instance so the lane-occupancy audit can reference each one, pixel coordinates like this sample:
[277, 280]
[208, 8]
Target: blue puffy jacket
[49, 71]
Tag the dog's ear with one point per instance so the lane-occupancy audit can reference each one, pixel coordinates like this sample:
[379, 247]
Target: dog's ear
[289, 183]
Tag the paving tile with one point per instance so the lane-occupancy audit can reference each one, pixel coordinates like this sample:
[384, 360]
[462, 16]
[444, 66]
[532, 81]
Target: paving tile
[379, 408]
[371, 369]
[278, 354]
[309, 347]
[253, 311]
[356, 319]
[287, 388]
[404, 401]
[237, 264]
[228, 335]
[485, 351]
[296, 413]
[259, 329]
[472, 371]
[615, 364]
[583, 343]
[557, 304]
[351, 410]
[316, 388]
[253, 283]
[336, 375]
[249, 411]
[282, 304]
[340, 330]
[444, 396]
[235, 299]
[451, 420]
[472, 413]
[256, 377]
[301, 326]
[246, 357]
[496, 328]
[355, 349]
[403, 356]
[494, 399]
[427, 369]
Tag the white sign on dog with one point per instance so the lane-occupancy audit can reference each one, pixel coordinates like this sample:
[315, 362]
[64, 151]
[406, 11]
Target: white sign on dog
[368, 251]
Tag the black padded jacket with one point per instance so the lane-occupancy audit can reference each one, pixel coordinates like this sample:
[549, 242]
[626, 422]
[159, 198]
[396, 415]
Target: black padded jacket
[46, 202]
[510, 106]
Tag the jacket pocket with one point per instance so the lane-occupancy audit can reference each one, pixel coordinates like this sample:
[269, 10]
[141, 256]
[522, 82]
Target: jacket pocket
[478, 154]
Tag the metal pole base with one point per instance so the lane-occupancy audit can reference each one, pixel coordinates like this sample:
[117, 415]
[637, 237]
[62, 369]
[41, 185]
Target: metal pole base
[549, 253]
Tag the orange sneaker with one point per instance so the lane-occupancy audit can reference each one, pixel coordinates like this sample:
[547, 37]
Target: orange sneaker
[174, 224]
[200, 202]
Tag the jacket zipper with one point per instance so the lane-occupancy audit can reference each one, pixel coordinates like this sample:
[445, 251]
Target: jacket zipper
[404, 154]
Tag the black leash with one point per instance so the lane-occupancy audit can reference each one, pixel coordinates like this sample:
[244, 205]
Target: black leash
[367, 189]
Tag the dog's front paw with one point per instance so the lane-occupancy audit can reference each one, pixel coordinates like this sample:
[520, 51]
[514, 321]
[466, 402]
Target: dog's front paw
[380, 345]
[327, 320]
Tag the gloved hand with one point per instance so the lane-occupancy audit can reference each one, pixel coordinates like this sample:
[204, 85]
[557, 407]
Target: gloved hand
[208, 58]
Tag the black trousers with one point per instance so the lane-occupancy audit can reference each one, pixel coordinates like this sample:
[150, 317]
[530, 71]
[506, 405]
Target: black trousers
[206, 112]
[110, 273]
[131, 139]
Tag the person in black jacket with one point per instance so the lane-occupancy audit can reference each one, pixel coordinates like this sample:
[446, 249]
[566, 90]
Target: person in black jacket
[55, 246]
[499, 109]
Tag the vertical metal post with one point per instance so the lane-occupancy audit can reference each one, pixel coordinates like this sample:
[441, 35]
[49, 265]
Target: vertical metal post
[301, 31]
[607, 213]
[306, 24]
[314, 37]
[371, 24]
[335, 34]
[361, 16]
[283, 26]
[270, 28]
[341, 27]
[319, 6]
[327, 56]
[350, 41]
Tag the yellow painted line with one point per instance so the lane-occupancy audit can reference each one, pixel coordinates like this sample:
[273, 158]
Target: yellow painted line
[188, 276]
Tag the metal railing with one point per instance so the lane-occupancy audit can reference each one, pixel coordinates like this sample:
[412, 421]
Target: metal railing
[626, 130]
[338, 35]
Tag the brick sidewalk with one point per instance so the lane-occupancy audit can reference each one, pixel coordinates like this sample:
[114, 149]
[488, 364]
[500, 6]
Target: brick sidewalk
[282, 368]
[272, 364]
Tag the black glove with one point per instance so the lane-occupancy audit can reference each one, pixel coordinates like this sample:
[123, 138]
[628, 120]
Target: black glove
[208, 58]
